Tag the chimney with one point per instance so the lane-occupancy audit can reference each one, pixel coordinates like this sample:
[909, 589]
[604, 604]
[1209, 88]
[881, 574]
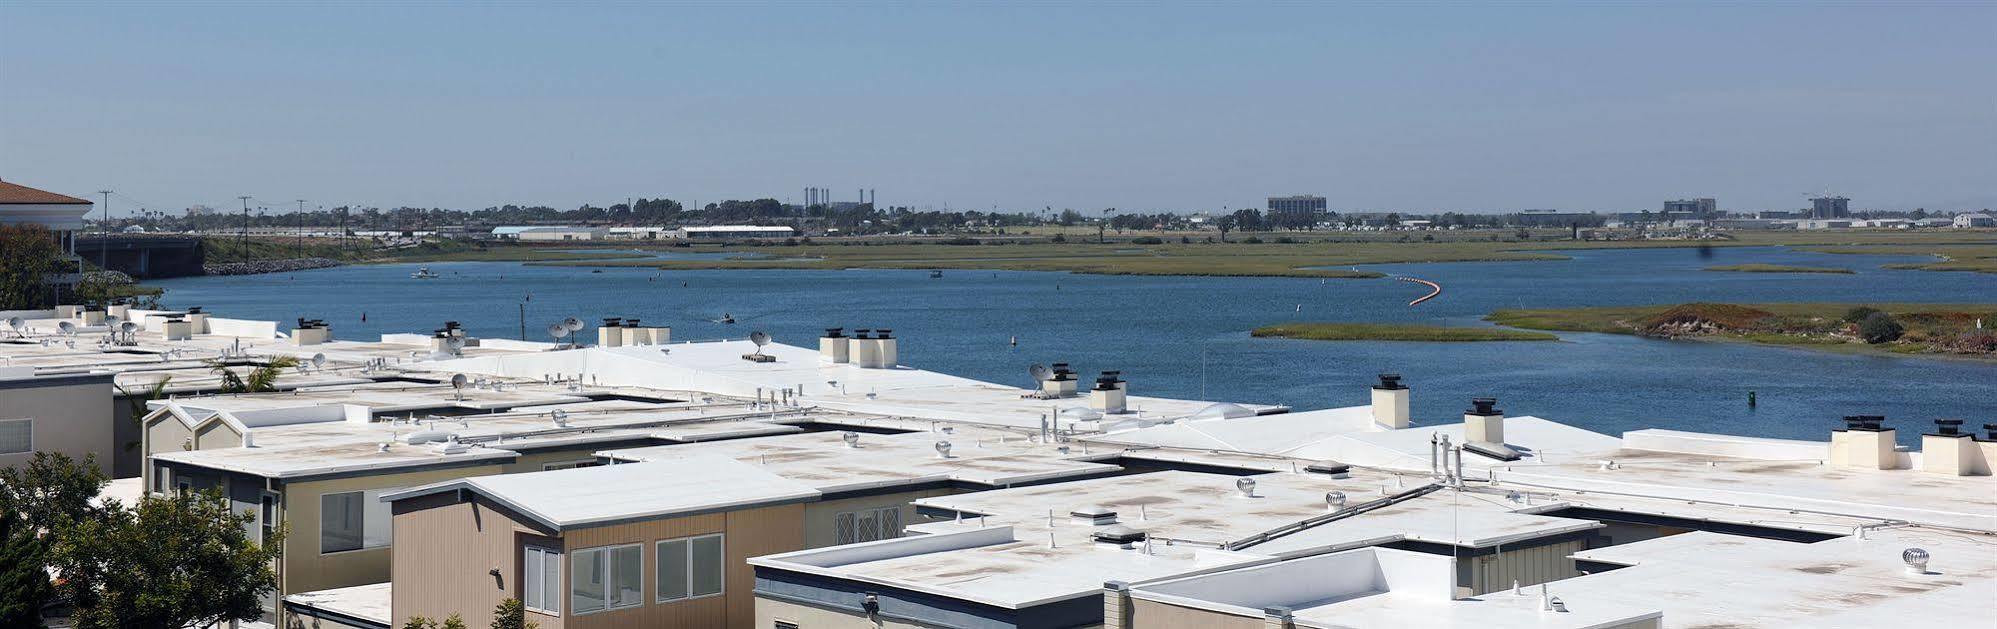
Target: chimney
[864, 352]
[1484, 423]
[1868, 444]
[1950, 451]
[1109, 396]
[1061, 384]
[1390, 402]
[611, 333]
[310, 332]
[833, 346]
[197, 321]
[886, 354]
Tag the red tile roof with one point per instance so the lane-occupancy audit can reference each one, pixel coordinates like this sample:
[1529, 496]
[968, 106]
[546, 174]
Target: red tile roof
[13, 193]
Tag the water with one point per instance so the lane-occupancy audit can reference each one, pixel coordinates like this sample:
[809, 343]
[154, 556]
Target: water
[1188, 336]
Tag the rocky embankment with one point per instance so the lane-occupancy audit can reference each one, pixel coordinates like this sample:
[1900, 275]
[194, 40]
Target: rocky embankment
[268, 266]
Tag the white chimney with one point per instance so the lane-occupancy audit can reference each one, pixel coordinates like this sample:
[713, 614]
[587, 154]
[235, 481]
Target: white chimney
[1062, 384]
[1948, 450]
[833, 347]
[611, 333]
[1868, 445]
[1484, 423]
[1390, 402]
[1109, 395]
[884, 349]
[864, 352]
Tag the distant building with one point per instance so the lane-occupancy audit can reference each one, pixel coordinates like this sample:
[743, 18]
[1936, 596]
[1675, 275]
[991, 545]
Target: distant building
[199, 210]
[1696, 207]
[546, 234]
[1830, 207]
[1556, 218]
[1973, 219]
[1299, 211]
[733, 232]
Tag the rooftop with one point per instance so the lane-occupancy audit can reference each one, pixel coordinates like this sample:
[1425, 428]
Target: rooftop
[598, 496]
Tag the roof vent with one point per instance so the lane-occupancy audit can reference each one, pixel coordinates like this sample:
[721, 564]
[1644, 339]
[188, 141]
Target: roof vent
[1916, 559]
[942, 449]
[1868, 423]
[1389, 382]
[1095, 515]
[851, 438]
[1483, 406]
[1948, 427]
[833, 333]
[1118, 534]
[1246, 486]
[1333, 469]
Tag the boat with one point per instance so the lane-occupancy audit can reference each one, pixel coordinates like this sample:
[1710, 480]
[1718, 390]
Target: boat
[935, 274]
[726, 318]
[423, 274]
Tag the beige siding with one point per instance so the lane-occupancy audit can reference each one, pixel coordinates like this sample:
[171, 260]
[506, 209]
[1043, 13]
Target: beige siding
[1153, 614]
[818, 528]
[1530, 566]
[216, 435]
[443, 557]
[74, 419]
[305, 569]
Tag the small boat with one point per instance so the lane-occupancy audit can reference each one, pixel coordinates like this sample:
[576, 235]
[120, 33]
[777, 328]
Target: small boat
[423, 274]
[726, 319]
[935, 274]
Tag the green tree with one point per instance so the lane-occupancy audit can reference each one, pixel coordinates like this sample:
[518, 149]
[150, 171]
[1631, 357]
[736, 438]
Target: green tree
[262, 379]
[1880, 327]
[1859, 314]
[38, 501]
[166, 563]
[27, 252]
[511, 614]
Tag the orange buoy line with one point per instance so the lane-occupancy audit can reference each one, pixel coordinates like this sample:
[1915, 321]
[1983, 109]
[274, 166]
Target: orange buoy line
[1437, 287]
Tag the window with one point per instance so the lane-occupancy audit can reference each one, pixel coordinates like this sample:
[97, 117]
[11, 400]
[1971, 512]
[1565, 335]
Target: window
[690, 567]
[783, 624]
[162, 478]
[569, 465]
[355, 520]
[340, 522]
[267, 515]
[606, 578]
[541, 580]
[17, 436]
[866, 525]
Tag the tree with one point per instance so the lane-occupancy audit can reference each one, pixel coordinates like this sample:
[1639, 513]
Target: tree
[511, 614]
[27, 252]
[1224, 224]
[166, 563]
[1879, 327]
[1858, 314]
[262, 379]
[38, 501]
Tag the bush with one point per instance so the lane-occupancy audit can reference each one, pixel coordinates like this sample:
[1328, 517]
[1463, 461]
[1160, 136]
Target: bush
[1253, 240]
[1147, 240]
[1185, 241]
[1286, 240]
[1060, 238]
[1858, 314]
[1879, 327]
[961, 240]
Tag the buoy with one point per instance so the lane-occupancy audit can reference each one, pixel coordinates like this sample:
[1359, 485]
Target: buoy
[1300, 307]
[364, 317]
[1015, 340]
[1750, 399]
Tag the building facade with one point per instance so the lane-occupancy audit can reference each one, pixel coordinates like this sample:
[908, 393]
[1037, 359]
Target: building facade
[1830, 207]
[1298, 211]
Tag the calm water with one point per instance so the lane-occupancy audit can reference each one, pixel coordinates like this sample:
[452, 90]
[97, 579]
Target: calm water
[1188, 336]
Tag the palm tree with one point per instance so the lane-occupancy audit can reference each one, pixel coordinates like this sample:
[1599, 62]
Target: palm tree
[261, 379]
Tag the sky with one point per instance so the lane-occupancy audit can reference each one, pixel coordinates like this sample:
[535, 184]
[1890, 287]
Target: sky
[1015, 106]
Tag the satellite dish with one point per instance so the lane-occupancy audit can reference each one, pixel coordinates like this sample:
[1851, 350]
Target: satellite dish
[760, 338]
[557, 330]
[67, 328]
[458, 381]
[112, 320]
[128, 327]
[456, 343]
[1040, 372]
[17, 323]
[318, 360]
[572, 323]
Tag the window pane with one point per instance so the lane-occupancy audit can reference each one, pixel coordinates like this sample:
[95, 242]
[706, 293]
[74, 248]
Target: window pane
[707, 564]
[378, 528]
[672, 570]
[586, 577]
[17, 436]
[530, 579]
[551, 577]
[627, 570]
[843, 528]
[339, 522]
[891, 522]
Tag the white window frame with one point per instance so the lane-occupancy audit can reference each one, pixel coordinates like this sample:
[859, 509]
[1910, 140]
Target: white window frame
[609, 592]
[267, 516]
[30, 421]
[659, 563]
[561, 572]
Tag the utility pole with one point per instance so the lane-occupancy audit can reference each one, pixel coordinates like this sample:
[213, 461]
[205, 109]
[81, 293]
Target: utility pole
[104, 247]
[243, 237]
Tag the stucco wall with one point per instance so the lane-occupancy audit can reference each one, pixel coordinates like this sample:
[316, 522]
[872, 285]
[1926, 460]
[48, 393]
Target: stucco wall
[72, 415]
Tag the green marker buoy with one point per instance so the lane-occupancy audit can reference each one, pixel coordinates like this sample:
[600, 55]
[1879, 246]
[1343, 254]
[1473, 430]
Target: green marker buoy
[1750, 399]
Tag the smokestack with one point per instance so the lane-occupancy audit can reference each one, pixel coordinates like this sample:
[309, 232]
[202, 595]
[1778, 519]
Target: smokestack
[1390, 402]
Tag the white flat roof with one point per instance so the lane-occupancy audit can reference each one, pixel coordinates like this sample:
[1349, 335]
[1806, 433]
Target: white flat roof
[596, 496]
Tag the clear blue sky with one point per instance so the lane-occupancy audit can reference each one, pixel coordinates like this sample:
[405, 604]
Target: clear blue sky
[1422, 107]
